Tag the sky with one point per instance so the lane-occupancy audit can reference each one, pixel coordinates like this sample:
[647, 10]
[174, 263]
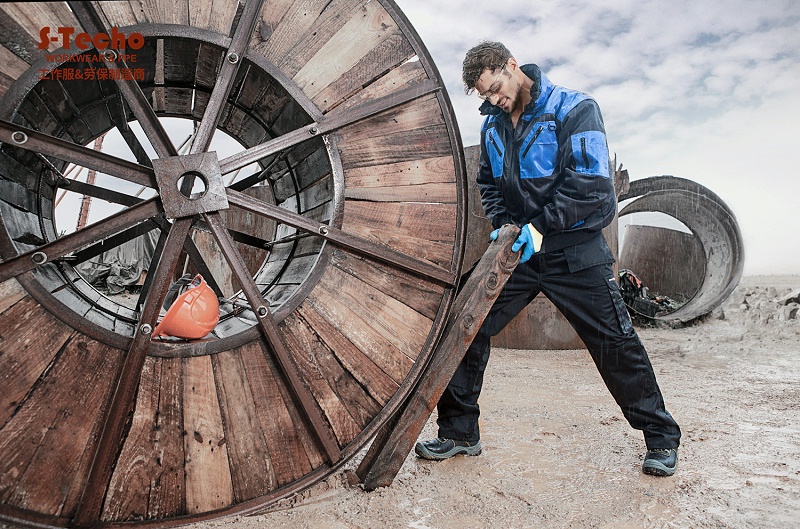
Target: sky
[704, 90]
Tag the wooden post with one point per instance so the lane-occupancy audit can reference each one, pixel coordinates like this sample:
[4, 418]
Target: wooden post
[86, 201]
[395, 440]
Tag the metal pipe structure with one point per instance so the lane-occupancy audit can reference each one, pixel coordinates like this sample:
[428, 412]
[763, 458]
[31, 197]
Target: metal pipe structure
[714, 225]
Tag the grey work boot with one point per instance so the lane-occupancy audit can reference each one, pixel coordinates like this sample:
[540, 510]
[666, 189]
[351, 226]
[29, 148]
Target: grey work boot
[660, 462]
[441, 448]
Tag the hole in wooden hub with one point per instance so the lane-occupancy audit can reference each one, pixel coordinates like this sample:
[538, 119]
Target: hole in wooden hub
[193, 185]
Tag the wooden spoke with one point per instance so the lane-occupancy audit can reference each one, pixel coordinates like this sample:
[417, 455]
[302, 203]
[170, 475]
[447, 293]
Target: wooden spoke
[125, 392]
[148, 280]
[196, 258]
[260, 176]
[118, 116]
[226, 76]
[102, 193]
[237, 236]
[112, 242]
[330, 123]
[79, 239]
[32, 140]
[343, 239]
[93, 24]
[250, 240]
[134, 145]
[273, 338]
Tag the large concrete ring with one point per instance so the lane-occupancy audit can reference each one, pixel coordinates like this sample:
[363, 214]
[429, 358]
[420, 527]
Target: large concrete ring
[710, 220]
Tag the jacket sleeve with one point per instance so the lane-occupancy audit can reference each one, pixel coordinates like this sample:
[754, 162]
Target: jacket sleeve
[491, 197]
[586, 188]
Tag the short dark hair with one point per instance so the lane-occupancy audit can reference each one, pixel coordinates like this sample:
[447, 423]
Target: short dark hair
[487, 55]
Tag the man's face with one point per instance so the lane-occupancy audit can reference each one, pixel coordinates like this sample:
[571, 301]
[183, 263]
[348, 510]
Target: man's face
[500, 88]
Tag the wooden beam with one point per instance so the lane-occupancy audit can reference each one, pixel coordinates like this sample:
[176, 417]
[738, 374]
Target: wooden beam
[398, 435]
[272, 335]
[127, 385]
[343, 239]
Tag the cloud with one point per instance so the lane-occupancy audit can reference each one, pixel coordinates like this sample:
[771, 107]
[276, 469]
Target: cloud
[704, 90]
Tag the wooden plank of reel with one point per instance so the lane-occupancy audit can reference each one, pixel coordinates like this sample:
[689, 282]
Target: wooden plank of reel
[395, 440]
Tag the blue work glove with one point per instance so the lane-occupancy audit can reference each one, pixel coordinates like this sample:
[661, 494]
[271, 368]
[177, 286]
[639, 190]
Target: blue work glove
[494, 234]
[529, 240]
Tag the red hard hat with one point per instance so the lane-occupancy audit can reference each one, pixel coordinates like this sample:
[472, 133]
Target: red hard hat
[193, 315]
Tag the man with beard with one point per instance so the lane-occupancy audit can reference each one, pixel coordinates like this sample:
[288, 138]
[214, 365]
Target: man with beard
[544, 167]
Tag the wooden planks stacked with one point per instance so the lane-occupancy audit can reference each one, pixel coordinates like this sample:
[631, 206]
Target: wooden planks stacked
[56, 384]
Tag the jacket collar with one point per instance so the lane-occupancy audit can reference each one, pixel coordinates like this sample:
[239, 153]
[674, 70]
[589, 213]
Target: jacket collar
[539, 91]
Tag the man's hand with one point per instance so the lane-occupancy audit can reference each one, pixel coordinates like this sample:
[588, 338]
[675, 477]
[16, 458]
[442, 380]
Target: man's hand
[494, 234]
[529, 240]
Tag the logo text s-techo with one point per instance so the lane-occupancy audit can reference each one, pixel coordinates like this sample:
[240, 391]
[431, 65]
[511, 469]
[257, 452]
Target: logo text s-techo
[83, 41]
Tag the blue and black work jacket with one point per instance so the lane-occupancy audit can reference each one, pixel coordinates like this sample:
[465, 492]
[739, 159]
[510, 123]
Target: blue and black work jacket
[552, 170]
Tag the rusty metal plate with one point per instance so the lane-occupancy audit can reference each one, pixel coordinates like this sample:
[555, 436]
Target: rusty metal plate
[170, 175]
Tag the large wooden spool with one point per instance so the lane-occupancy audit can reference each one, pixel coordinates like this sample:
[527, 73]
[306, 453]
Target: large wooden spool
[350, 260]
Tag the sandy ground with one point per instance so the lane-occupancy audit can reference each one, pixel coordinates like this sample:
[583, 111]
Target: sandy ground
[558, 453]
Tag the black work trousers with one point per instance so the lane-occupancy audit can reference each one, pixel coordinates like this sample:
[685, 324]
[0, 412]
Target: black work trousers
[590, 299]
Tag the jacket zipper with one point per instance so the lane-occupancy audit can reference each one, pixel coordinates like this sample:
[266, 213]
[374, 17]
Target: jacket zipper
[583, 151]
[497, 148]
[535, 135]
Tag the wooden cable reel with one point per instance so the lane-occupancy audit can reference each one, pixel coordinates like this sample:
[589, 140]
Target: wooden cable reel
[358, 201]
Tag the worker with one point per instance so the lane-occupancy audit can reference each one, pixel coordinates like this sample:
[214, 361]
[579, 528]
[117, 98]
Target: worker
[544, 166]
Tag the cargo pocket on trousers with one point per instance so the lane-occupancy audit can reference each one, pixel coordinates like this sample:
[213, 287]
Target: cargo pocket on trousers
[623, 316]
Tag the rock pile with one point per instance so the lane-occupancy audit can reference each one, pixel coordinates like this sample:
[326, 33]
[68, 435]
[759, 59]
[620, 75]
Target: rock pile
[761, 305]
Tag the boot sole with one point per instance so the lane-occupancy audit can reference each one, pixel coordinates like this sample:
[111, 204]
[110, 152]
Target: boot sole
[424, 453]
[655, 468]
